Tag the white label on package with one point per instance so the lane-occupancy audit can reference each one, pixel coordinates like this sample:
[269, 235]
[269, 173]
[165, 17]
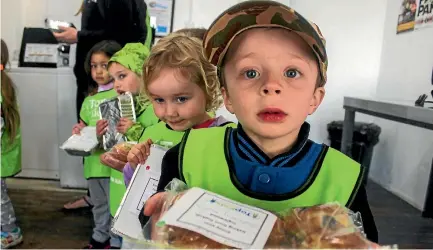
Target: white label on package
[221, 219]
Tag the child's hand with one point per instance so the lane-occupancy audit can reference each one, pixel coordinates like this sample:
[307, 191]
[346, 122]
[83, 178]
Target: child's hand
[123, 125]
[139, 153]
[153, 207]
[76, 129]
[101, 127]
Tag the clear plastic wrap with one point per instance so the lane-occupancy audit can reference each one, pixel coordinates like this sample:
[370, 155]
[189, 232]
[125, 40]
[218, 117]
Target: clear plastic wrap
[324, 226]
[116, 158]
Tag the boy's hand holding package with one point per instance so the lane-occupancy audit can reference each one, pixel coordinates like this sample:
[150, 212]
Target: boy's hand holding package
[139, 153]
[123, 125]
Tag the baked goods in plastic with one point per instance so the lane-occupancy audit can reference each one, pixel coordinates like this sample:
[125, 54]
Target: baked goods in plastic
[117, 157]
[323, 226]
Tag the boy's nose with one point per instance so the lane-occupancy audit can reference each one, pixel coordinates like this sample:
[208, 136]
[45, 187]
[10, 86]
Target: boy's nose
[271, 89]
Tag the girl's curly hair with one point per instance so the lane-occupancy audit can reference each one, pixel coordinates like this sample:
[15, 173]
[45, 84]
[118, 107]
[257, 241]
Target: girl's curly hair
[181, 51]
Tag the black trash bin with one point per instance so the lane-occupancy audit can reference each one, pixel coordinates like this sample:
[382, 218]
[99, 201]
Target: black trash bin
[365, 136]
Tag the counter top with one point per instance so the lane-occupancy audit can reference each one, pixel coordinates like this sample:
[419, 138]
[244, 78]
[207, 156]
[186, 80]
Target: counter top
[401, 111]
[61, 70]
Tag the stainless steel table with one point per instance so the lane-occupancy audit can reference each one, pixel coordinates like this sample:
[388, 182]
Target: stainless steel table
[398, 112]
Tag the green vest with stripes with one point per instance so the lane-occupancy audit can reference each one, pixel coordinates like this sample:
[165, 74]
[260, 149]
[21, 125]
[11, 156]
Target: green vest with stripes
[334, 178]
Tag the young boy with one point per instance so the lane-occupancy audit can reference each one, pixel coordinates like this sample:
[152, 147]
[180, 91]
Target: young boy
[272, 67]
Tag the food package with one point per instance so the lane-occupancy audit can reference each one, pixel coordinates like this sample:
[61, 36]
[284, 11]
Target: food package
[112, 110]
[83, 144]
[116, 158]
[323, 226]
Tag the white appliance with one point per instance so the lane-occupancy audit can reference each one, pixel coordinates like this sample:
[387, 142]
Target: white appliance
[46, 98]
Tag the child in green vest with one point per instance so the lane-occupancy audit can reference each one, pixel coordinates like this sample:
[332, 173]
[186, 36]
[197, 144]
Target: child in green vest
[183, 88]
[272, 66]
[97, 174]
[184, 91]
[10, 153]
[126, 69]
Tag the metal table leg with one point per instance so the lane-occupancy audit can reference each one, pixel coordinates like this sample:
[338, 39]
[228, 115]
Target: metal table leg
[428, 204]
[348, 125]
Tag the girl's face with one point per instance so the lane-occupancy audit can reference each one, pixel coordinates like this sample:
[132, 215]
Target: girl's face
[177, 101]
[98, 68]
[125, 80]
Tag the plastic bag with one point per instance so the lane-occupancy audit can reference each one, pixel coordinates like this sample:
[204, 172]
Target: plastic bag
[324, 226]
[112, 110]
[83, 144]
[116, 158]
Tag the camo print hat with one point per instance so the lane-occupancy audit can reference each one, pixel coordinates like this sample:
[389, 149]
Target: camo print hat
[257, 14]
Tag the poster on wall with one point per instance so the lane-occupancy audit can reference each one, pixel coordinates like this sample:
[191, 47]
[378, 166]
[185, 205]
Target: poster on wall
[161, 16]
[414, 15]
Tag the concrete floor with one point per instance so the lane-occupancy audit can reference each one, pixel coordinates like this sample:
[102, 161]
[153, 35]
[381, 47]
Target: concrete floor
[38, 205]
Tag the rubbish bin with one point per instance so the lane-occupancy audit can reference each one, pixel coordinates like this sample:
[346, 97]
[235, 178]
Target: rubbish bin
[365, 137]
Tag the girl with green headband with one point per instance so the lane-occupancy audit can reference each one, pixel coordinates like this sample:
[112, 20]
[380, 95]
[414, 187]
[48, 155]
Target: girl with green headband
[125, 67]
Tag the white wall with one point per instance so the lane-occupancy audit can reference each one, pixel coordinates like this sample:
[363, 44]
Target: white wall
[353, 31]
[403, 157]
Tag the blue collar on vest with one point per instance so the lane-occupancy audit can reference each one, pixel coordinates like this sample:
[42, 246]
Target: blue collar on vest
[280, 175]
[248, 150]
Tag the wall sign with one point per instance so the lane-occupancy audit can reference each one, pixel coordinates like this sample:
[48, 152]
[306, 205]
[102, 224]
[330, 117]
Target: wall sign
[414, 15]
[161, 16]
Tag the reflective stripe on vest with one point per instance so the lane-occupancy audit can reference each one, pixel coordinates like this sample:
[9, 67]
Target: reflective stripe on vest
[335, 178]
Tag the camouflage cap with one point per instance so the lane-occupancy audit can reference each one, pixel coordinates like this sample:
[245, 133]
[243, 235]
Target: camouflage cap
[256, 14]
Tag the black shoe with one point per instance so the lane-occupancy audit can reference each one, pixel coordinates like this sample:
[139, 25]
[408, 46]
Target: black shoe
[93, 244]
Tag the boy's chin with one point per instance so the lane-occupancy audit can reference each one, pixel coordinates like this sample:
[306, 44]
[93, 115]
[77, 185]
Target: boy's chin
[269, 131]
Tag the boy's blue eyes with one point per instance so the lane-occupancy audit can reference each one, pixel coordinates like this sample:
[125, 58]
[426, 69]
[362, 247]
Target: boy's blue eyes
[291, 73]
[252, 74]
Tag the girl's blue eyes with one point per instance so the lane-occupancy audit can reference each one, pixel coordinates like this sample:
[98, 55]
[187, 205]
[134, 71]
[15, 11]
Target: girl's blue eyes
[180, 99]
[158, 100]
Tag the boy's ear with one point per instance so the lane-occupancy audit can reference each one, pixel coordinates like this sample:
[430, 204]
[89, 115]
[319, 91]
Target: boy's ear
[227, 101]
[316, 100]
